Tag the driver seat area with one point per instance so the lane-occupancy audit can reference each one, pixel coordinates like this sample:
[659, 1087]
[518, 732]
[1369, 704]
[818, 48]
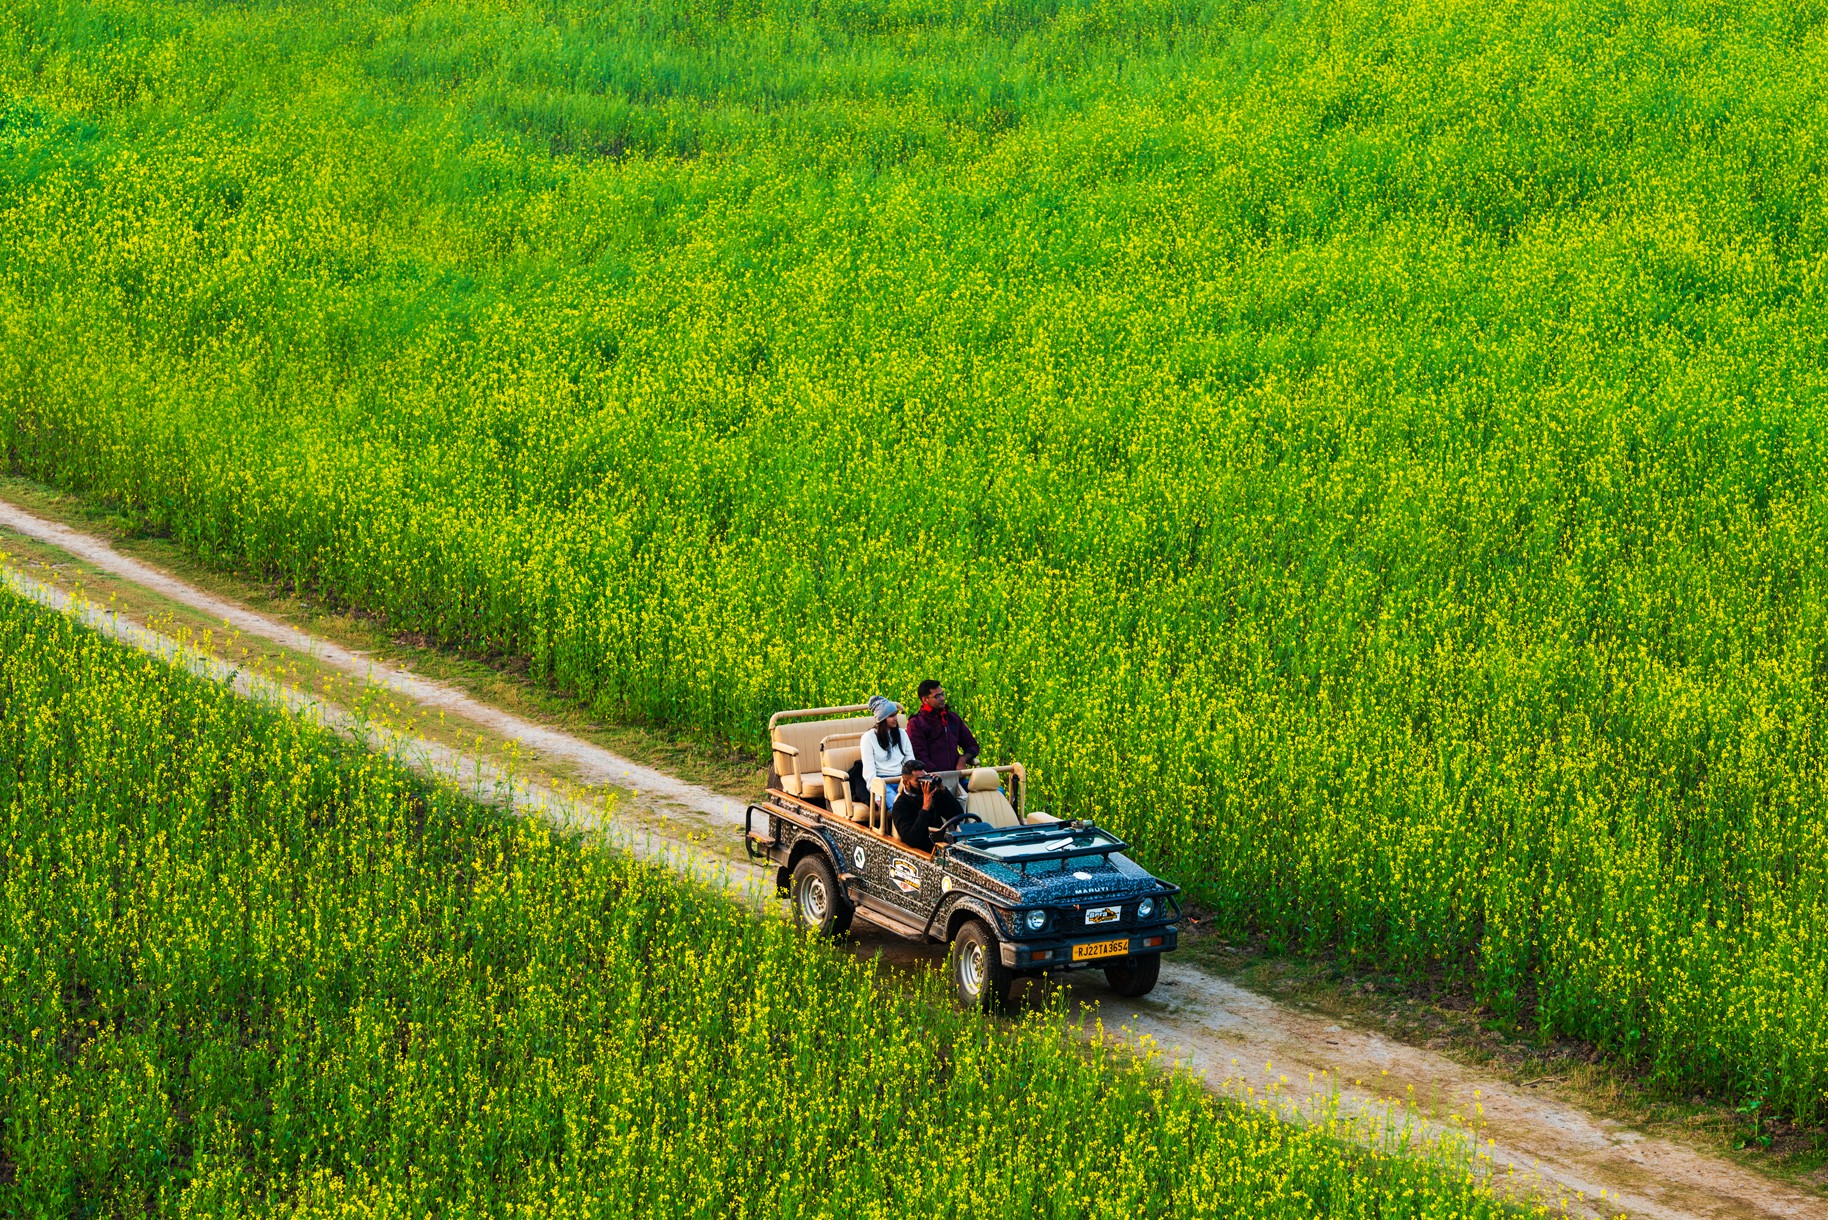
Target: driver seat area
[984, 797]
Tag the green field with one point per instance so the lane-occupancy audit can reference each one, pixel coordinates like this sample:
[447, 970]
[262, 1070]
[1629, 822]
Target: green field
[247, 969]
[1368, 454]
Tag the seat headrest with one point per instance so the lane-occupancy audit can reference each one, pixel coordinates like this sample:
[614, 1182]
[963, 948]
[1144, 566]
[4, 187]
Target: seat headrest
[984, 779]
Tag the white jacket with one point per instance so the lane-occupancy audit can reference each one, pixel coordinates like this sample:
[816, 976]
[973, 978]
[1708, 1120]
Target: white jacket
[879, 763]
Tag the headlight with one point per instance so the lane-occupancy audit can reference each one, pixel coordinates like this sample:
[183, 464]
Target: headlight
[1035, 920]
[1145, 908]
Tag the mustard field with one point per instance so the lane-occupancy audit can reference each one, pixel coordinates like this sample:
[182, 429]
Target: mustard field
[247, 969]
[1367, 455]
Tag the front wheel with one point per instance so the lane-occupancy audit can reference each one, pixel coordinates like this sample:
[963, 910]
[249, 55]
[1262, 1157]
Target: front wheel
[819, 905]
[980, 980]
[1134, 977]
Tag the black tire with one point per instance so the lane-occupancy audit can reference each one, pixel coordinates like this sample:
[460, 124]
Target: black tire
[819, 905]
[1134, 977]
[975, 966]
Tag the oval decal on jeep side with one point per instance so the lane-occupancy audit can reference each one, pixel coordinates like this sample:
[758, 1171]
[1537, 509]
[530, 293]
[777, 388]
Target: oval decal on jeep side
[903, 874]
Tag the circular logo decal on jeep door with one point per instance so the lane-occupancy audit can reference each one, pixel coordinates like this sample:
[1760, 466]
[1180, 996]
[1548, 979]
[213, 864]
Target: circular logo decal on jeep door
[857, 855]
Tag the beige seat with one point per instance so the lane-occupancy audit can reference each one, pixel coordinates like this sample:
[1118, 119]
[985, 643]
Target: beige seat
[837, 753]
[796, 752]
[984, 797]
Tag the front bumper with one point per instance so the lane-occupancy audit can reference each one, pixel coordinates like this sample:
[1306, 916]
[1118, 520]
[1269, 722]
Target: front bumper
[1058, 954]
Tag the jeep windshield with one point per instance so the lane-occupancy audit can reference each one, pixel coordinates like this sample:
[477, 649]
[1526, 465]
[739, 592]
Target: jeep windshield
[1026, 845]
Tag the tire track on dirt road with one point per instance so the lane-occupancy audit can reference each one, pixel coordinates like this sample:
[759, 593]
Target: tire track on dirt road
[1209, 1024]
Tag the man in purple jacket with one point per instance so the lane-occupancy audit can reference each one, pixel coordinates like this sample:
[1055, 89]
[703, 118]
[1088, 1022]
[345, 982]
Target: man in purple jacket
[940, 739]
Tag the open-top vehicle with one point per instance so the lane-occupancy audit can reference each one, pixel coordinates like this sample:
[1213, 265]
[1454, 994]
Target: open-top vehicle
[1013, 893]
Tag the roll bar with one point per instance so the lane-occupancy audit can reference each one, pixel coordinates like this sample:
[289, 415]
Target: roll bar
[879, 812]
[804, 713]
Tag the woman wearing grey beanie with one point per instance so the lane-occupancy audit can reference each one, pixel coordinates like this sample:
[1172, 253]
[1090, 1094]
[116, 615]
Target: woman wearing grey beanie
[884, 749]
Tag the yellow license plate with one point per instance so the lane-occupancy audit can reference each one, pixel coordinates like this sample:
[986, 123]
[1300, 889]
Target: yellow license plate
[1102, 948]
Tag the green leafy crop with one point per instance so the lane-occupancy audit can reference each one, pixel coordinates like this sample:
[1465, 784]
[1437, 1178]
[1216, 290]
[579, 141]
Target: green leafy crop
[1369, 454]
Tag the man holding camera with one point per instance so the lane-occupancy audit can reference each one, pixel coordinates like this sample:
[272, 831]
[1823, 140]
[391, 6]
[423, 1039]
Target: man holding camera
[923, 807]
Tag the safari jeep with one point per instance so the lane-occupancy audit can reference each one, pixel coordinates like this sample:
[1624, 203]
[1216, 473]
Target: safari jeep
[1013, 893]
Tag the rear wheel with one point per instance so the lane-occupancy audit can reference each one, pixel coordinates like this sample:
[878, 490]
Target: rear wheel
[819, 905]
[1134, 977]
[979, 978]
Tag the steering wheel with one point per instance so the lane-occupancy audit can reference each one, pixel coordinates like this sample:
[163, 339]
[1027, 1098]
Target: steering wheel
[953, 823]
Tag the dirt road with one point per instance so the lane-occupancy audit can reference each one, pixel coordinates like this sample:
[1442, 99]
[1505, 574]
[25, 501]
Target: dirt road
[1212, 1026]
